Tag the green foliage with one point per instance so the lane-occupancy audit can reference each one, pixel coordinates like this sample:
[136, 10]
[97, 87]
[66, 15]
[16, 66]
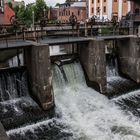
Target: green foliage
[106, 31]
[25, 13]
[57, 4]
[10, 5]
[40, 8]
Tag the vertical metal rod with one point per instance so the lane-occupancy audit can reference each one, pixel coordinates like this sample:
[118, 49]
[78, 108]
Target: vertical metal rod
[18, 59]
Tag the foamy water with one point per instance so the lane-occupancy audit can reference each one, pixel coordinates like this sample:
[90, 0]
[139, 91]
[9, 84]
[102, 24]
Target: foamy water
[90, 114]
[83, 113]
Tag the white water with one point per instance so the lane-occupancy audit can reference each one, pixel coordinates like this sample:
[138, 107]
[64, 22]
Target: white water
[90, 115]
[13, 62]
[56, 50]
[112, 71]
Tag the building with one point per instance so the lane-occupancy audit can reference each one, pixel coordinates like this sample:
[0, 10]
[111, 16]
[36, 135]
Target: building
[135, 7]
[1, 6]
[53, 13]
[1, 11]
[65, 10]
[5, 13]
[134, 18]
[106, 9]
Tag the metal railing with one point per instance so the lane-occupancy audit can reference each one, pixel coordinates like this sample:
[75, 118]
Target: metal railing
[83, 30]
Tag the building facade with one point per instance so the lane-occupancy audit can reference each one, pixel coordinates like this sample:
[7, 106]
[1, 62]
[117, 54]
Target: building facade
[135, 7]
[1, 6]
[135, 15]
[105, 9]
[65, 10]
[5, 13]
[53, 13]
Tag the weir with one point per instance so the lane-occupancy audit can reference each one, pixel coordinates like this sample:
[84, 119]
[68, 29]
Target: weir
[76, 108]
[29, 121]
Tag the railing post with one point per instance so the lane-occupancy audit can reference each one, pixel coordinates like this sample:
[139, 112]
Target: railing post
[85, 28]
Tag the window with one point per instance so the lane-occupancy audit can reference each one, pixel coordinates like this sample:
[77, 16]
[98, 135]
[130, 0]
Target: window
[78, 12]
[137, 11]
[92, 10]
[104, 9]
[98, 9]
[1, 6]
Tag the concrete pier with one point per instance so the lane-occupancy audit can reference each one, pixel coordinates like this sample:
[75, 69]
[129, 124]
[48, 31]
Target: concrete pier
[37, 59]
[129, 57]
[92, 57]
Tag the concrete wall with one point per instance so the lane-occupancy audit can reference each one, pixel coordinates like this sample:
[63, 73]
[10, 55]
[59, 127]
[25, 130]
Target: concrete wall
[92, 56]
[129, 58]
[37, 60]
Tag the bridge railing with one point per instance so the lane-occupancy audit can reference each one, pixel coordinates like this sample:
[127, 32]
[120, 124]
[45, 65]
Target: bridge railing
[80, 30]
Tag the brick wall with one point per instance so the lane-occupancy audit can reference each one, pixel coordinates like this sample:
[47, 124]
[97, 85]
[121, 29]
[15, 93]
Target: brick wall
[63, 14]
[5, 17]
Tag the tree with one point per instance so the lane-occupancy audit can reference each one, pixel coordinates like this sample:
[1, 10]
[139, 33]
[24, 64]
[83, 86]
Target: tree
[40, 9]
[24, 13]
[10, 5]
[57, 4]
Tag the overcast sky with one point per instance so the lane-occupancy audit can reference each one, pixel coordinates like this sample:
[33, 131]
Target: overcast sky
[48, 2]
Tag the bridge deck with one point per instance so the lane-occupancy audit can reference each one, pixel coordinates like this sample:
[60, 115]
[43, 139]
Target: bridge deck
[11, 44]
[63, 40]
[115, 37]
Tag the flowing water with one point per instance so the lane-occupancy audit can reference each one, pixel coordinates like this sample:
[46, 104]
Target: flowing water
[81, 113]
[117, 85]
[90, 115]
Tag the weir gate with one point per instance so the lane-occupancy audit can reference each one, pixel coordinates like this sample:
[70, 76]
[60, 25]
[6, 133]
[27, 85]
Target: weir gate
[90, 51]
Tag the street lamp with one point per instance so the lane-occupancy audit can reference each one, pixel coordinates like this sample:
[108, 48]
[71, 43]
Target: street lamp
[33, 18]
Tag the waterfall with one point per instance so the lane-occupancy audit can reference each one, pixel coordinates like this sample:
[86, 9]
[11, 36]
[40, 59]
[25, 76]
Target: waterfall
[81, 113]
[89, 114]
[112, 68]
[12, 84]
[116, 84]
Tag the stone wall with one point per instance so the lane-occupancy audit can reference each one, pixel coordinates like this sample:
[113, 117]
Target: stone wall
[92, 56]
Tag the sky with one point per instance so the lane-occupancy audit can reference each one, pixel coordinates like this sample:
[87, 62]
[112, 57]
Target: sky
[48, 2]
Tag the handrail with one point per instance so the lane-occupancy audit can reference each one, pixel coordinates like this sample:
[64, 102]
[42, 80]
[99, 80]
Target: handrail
[96, 30]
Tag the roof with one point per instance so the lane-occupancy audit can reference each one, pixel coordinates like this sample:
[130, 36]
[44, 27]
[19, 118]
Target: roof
[74, 4]
[79, 4]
